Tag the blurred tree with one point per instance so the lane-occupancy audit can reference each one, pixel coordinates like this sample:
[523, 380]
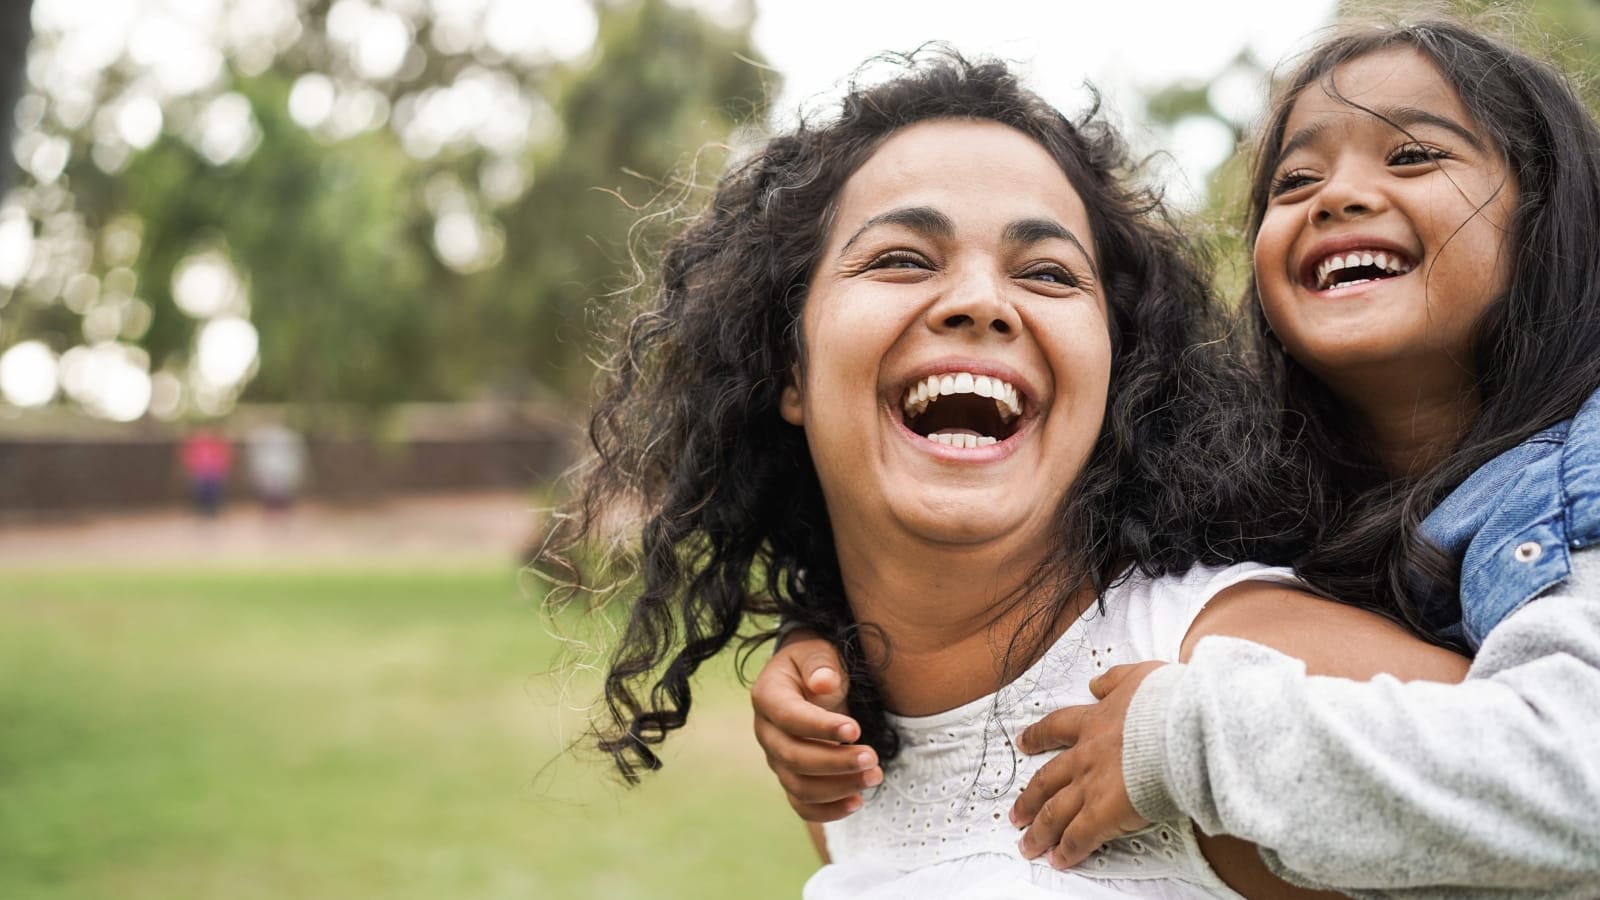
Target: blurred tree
[16, 26]
[363, 204]
[640, 132]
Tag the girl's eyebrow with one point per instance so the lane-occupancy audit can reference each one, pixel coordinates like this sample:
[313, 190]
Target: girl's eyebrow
[1402, 117]
[1409, 116]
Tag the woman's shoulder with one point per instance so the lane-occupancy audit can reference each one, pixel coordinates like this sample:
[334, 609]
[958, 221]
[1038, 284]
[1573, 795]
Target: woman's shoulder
[1155, 612]
[1200, 582]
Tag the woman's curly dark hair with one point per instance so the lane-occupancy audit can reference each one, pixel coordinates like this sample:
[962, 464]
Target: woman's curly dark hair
[1537, 346]
[688, 438]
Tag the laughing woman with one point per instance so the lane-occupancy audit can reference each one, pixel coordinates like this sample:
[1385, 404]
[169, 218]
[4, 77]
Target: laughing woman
[930, 380]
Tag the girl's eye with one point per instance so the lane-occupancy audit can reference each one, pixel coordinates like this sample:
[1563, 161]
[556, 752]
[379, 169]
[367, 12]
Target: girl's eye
[1416, 155]
[1289, 181]
[1052, 274]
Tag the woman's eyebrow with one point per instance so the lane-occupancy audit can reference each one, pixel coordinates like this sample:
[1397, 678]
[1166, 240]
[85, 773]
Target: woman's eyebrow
[922, 219]
[1031, 231]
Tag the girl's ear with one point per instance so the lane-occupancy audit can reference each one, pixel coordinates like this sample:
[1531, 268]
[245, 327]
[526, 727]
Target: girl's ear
[790, 405]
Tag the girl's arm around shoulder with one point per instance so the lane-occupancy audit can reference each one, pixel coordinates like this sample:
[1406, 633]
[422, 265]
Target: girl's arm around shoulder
[1331, 638]
[1486, 788]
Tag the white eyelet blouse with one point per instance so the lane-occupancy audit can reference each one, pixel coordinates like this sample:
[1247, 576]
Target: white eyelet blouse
[938, 826]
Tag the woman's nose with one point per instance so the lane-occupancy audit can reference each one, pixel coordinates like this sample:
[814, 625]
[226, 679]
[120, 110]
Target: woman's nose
[975, 303]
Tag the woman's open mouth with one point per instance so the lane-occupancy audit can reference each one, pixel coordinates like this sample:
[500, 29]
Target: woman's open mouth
[960, 409]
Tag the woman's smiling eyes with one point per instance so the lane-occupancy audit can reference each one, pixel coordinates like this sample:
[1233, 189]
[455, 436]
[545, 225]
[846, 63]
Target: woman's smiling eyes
[1052, 273]
[898, 259]
[1046, 272]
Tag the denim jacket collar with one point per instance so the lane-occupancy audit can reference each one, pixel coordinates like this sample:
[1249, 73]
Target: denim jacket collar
[1514, 522]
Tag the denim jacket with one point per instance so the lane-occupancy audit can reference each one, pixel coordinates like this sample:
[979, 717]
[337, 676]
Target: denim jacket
[1514, 522]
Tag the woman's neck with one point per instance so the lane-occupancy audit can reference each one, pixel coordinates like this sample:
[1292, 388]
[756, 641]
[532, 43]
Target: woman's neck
[948, 626]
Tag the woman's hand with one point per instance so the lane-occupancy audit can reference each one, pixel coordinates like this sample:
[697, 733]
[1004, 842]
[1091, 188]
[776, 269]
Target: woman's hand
[800, 723]
[1078, 801]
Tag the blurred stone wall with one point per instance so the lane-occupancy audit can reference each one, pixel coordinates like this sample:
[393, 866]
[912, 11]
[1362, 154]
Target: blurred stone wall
[44, 475]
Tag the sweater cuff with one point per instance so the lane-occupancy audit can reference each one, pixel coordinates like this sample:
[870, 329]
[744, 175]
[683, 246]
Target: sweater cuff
[1144, 746]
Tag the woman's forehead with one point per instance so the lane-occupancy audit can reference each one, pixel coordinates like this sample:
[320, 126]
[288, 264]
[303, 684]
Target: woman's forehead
[981, 168]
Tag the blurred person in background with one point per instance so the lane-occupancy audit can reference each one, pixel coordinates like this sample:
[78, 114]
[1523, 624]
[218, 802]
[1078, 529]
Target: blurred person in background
[277, 458]
[206, 456]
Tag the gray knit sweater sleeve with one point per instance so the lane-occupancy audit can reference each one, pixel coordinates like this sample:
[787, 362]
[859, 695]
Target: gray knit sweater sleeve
[1489, 788]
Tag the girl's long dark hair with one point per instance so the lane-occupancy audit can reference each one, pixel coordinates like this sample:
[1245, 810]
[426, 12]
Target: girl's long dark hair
[1536, 348]
[732, 532]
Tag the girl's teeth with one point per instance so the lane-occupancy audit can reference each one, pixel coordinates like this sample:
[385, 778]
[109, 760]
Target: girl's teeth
[1394, 265]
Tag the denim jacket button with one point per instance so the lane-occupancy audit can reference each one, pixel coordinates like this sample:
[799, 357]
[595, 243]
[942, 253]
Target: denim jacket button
[1527, 552]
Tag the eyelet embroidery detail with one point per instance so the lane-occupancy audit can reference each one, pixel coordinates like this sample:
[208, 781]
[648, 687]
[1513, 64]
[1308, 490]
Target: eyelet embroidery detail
[942, 801]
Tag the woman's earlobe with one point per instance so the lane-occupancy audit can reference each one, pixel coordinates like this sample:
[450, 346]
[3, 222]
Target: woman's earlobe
[789, 405]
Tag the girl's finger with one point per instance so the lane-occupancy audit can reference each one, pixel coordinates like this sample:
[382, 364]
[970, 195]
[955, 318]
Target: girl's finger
[1051, 777]
[815, 758]
[826, 812]
[1053, 732]
[1045, 830]
[825, 789]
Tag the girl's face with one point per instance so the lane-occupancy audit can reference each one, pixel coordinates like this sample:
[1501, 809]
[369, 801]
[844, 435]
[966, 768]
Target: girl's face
[1383, 241]
[956, 348]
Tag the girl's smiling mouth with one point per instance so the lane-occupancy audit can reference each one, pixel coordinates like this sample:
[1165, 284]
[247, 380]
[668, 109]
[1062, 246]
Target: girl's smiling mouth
[1358, 267]
[961, 409]
[1350, 263]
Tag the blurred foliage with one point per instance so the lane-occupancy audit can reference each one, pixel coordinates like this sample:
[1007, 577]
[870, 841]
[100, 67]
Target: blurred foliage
[340, 239]
[380, 268]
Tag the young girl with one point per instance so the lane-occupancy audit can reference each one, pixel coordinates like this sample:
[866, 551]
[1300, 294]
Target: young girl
[1425, 214]
[929, 380]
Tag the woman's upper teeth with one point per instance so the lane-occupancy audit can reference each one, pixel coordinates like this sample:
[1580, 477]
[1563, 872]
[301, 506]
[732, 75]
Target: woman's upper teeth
[1392, 263]
[1006, 399]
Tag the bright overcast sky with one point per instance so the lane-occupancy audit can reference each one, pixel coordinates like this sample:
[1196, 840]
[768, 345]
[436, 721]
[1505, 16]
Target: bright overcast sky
[1119, 45]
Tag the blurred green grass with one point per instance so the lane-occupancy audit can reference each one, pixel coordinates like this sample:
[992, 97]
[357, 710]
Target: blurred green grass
[347, 734]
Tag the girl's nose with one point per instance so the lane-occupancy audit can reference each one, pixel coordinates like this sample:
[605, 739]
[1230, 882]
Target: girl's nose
[1346, 195]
